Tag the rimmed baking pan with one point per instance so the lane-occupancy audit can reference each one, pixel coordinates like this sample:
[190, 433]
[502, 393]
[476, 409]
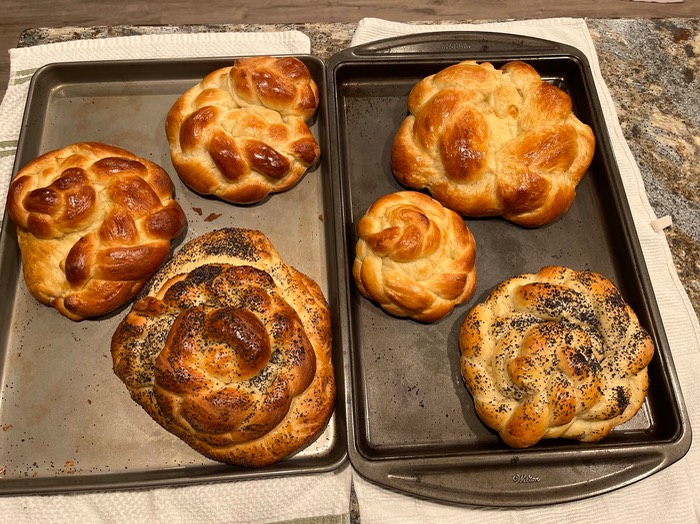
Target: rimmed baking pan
[412, 426]
[68, 423]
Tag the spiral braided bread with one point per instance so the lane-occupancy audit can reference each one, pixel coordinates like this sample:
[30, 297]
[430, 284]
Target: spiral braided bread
[230, 350]
[555, 354]
[414, 257]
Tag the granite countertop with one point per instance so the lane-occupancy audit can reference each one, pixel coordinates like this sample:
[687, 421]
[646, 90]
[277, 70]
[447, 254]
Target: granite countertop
[651, 67]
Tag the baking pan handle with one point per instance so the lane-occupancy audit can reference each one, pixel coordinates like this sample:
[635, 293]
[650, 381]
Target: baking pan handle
[458, 43]
[519, 482]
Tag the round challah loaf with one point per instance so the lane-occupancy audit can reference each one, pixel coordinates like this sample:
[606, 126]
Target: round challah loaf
[490, 142]
[240, 134]
[555, 354]
[414, 257]
[94, 222]
[229, 349]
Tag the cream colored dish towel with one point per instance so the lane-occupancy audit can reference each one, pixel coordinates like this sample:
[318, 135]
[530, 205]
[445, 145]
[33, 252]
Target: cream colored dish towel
[322, 498]
[672, 495]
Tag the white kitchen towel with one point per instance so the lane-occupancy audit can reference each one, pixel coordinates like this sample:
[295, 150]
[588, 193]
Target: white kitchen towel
[322, 498]
[308, 499]
[672, 495]
[26, 60]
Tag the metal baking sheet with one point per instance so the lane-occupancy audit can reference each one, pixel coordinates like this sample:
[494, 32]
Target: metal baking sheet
[68, 423]
[412, 426]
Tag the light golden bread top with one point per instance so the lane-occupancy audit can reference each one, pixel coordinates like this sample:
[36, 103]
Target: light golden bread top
[414, 257]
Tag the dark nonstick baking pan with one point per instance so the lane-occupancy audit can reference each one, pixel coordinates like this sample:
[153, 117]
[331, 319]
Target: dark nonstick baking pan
[68, 423]
[412, 426]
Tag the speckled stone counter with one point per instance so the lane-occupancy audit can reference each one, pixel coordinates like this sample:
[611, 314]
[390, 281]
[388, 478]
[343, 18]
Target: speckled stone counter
[652, 68]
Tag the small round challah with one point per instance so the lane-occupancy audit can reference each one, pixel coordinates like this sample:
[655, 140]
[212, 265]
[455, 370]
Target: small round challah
[555, 354]
[229, 349]
[414, 257]
[94, 222]
[240, 134]
[493, 142]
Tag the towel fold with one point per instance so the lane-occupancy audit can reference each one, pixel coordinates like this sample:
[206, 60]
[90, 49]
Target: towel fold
[672, 495]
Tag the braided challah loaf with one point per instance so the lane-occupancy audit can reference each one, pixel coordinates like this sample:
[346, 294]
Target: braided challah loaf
[230, 350]
[555, 354]
[488, 142]
[414, 257]
[240, 134]
[94, 222]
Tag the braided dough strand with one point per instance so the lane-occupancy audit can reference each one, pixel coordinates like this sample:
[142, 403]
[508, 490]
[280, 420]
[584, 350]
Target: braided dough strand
[493, 142]
[240, 133]
[94, 223]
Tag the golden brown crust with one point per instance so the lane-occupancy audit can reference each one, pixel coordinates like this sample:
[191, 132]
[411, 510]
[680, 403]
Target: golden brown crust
[488, 142]
[94, 222]
[240, 133]
[414, 257]
[230, 350]
[555, 354]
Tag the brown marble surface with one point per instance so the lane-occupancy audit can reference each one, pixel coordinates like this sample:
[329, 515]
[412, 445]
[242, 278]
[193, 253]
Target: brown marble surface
[652, 68]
